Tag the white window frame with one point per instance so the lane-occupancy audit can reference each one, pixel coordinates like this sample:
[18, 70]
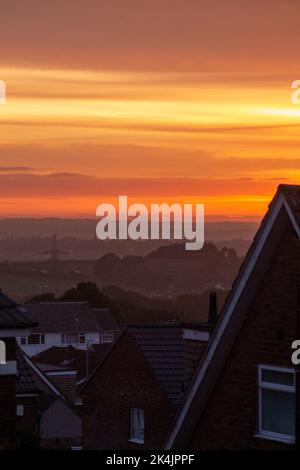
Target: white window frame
[132, 437]
[20, 410]
[74, 336]
[40, 342]
[280, 388]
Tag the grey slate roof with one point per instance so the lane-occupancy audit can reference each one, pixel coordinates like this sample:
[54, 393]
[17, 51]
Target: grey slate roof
[13, 315]
[291, 194]
[163, 348]
[62, 316]
[105, 319]
[25, 379]
[67, 358]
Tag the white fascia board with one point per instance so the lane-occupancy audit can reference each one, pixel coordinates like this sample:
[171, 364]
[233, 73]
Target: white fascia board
[60, 372]
[292, 217]
[272, 216]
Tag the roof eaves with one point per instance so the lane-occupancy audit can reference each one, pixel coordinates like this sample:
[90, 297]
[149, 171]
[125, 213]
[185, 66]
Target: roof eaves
[91, 376]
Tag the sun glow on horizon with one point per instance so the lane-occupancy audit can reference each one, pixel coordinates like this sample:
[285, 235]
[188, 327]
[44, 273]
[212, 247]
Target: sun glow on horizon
[232, 141]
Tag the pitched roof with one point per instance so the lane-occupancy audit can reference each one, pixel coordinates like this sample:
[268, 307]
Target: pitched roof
[40, 378]
[64, 316]
[13, 315]
[25, 379]
[27, 383]
[105, 319]
[163, 349]
[66, 358]
[284, 209]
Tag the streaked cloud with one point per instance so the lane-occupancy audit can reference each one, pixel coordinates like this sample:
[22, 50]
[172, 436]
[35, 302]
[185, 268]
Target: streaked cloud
[186, 92]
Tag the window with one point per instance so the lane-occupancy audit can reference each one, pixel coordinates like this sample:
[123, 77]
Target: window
[82, 338]
[71, 338]
[107, 337]
[23, 340]
[36, 338]
[20, 410]
[63, 338]
[277, 403]
[137, 425]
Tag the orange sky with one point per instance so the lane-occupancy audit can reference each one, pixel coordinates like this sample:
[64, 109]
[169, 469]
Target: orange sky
[163, 101]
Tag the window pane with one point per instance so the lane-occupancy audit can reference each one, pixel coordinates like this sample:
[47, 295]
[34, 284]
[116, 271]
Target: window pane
[82, 338]
[137, 423]
[20, 410]
[34, 339]
[278, 412]
[277, 377]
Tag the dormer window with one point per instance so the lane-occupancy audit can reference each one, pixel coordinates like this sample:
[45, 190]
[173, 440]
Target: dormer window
[107, 337]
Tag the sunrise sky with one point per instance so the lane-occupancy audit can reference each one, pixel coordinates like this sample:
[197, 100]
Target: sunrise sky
[162, 100]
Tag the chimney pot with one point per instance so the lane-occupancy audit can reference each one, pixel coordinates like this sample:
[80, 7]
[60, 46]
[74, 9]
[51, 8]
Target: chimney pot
[213, 312]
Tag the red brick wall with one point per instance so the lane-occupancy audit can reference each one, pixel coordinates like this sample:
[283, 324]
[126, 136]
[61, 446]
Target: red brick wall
[62, 443]
[123, 382]
[29, 421]
[66, 384]
[230, 417]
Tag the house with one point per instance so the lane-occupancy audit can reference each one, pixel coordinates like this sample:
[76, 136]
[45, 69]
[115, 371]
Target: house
[57, 419]
[67, 323]
[27, 399]
[131, 398]
[13, 323]
[245, 393]
[33, 410]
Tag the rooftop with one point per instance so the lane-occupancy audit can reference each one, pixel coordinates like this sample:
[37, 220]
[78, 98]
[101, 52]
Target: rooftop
[70, 316]
[69, 358]
[13, 315]
[163, 348]
[283, 213]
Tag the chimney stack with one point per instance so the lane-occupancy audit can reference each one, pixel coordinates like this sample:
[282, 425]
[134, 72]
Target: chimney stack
[213, 312]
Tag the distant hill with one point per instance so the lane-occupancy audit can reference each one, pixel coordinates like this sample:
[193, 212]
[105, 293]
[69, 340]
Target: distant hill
[170, 269]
